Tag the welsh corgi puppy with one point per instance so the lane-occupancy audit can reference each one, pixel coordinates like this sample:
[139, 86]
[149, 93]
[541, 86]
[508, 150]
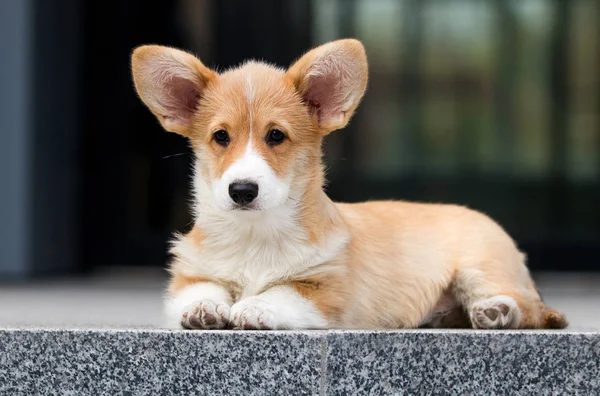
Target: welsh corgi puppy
[270, 250]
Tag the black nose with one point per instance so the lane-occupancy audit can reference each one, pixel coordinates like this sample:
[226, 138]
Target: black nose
[243, 193]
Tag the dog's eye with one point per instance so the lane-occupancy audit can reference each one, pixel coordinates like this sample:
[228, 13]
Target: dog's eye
[275, 137]
[221, 137]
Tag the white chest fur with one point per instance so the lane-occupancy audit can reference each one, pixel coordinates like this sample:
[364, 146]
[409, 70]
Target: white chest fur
[254, 250]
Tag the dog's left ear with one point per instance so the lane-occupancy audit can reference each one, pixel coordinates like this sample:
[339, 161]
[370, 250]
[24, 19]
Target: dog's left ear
[332, 79]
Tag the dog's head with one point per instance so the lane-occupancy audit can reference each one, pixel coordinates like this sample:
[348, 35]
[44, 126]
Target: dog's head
[256, 130]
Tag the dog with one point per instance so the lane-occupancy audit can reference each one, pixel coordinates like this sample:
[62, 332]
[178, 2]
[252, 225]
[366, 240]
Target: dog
[270, 250]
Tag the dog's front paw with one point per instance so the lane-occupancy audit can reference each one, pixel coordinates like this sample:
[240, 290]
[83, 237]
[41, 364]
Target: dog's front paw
[252, 314]
[205, 314]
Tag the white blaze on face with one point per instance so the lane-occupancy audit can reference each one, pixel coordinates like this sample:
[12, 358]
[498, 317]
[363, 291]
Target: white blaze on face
[250, 98]
[251, 168]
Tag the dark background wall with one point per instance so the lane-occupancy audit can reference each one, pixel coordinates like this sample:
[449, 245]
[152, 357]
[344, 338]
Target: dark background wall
[492, 104]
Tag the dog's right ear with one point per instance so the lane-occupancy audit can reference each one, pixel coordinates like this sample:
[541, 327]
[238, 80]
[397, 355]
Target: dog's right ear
[170, 82]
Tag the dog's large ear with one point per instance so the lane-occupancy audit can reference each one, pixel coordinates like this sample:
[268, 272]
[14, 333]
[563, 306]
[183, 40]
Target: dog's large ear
[332, 79]
[170, 82]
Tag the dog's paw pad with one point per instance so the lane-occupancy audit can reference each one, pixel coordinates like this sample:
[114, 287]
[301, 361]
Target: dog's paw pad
[251, 314]
[498, 312]
[205, 314]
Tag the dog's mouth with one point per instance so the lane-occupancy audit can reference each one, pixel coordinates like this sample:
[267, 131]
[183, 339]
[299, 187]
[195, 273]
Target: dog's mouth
[246, 208]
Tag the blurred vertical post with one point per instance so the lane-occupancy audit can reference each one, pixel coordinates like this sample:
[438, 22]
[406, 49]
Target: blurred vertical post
[14, 125]
[505, 86]
[559, 122]
[414, 23]
[38, 137]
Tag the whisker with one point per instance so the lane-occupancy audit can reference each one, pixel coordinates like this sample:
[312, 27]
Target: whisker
[174, 155]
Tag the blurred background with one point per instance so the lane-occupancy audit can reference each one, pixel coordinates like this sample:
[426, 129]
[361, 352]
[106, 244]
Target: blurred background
[492, 104]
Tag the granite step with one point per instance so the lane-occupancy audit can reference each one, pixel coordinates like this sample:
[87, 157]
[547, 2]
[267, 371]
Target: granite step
[432, 362]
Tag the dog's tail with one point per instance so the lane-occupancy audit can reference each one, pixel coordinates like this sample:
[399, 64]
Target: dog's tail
[552, 319]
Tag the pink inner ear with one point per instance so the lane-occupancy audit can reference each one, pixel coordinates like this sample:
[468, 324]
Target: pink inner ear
[181, 98]
[324, 94]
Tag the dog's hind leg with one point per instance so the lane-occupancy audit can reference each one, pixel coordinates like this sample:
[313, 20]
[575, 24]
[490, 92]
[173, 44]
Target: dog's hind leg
[500, 295]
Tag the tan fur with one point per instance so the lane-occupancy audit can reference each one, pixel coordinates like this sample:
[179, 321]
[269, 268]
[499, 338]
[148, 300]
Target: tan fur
[328, 292]
[404, 263]
[398, 266]
[179, 281]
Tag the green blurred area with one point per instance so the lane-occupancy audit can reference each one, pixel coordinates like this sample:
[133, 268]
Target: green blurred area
[494, 104]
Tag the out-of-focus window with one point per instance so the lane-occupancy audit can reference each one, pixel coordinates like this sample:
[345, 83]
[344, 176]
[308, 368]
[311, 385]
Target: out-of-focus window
[493, 104]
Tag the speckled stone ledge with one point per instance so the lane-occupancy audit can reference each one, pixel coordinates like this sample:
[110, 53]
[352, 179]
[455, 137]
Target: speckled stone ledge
[146, 362]
[159, 362]
[463, 363]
